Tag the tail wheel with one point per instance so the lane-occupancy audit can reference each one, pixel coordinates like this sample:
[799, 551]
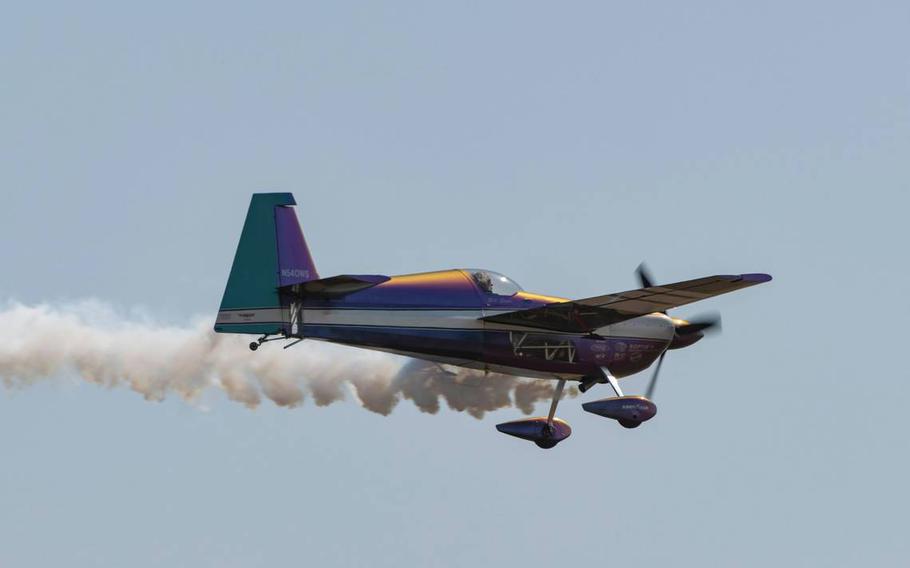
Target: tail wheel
[254, 346]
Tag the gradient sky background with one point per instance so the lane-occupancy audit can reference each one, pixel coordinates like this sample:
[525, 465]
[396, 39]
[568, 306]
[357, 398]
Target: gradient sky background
[560, 144]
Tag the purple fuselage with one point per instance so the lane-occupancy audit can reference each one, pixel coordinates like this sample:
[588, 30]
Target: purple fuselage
[437, 316]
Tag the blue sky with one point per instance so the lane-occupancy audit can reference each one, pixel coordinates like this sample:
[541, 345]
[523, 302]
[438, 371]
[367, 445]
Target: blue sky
[558, 144]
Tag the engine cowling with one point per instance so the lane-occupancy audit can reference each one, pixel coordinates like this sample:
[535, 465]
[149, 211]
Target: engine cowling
[680, 341]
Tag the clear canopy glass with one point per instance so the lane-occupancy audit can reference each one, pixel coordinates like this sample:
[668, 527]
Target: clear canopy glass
[490, 282]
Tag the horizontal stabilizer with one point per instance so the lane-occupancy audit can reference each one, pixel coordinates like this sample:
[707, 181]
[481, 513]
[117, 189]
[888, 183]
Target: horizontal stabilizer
[337, 286]
[589, 314]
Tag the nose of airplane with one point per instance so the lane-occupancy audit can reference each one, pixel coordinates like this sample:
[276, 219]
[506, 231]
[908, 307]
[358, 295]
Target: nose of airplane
[688, 333]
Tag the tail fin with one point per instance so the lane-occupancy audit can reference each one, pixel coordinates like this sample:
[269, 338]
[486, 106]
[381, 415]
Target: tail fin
[272, 252]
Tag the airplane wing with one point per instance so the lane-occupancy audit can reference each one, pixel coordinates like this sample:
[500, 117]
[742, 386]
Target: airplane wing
[583, 316]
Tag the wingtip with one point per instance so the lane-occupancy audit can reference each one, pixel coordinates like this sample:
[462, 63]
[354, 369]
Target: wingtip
[756, 278]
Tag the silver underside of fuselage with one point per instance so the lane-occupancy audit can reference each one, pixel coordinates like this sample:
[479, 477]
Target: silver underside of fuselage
[652, 326]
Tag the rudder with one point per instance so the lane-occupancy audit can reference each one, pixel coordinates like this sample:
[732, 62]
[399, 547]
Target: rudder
[272, 252]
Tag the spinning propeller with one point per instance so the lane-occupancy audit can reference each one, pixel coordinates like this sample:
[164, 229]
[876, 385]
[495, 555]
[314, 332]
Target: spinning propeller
[686, 332]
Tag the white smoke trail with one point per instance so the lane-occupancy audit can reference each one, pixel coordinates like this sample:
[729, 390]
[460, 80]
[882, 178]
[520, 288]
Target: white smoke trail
[91, 341]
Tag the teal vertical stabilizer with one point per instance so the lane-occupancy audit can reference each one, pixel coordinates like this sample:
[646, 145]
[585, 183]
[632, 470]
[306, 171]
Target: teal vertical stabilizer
[251, 302]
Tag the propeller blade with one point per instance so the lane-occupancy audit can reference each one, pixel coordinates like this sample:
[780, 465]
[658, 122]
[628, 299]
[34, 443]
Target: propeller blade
[644, 276]
[705, 323]
[653, 383]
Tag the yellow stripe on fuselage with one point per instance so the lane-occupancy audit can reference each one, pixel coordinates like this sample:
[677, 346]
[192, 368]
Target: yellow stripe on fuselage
[540, 297]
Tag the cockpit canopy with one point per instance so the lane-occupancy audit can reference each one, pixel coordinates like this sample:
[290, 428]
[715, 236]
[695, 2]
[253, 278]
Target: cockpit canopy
[490, 282]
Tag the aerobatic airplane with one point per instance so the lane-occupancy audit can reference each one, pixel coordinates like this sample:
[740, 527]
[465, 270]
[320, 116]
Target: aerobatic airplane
[471, 318]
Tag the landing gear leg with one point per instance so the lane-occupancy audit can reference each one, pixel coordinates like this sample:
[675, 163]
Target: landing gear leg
[556, 396]
[612, 380]
[624, 422]
[548, 442]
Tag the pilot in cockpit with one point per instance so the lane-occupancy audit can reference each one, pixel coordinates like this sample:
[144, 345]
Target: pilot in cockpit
[483, 282]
